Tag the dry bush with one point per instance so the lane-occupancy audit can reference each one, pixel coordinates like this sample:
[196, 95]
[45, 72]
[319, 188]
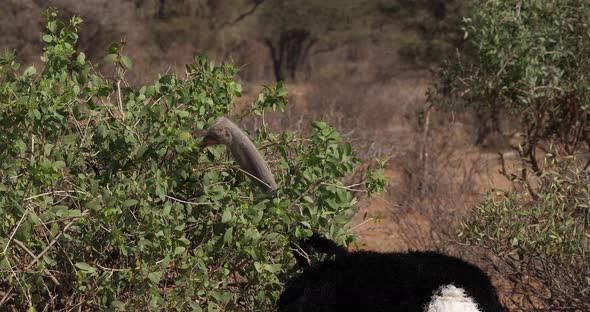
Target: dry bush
[377, 118]
[536, 238]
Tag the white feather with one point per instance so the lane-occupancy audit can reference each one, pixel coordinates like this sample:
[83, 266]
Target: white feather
[449, 298]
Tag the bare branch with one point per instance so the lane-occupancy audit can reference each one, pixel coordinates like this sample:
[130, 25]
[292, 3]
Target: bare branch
[242, 16]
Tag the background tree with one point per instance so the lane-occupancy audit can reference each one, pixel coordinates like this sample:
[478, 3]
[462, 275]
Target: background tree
[292, 29]
[526, 58]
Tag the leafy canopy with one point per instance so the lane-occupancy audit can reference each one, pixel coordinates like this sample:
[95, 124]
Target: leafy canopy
[529, 57]
[106, 200]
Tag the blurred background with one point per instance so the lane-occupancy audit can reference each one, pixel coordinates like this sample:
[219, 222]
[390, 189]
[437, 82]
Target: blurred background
[364, 67]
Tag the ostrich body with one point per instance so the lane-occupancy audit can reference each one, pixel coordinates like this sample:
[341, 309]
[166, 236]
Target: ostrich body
[373, 281]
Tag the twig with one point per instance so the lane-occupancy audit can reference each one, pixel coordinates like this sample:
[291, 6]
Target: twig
[360, 224]
[301, 252]
[588, 161]
[502, 170]
[534, 195]
[15, 229]
[348, 188]
[120, 99]
[424, 151]
[245, 14]
[55, 192]
[109, 269]
[254, 177]
[187, 202]
[388, 202]
[35, 259]
[54, 240]
[27, 250]
[9, 292]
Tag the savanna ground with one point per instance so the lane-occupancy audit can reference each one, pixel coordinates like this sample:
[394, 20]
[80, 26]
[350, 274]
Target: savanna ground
[439, 165]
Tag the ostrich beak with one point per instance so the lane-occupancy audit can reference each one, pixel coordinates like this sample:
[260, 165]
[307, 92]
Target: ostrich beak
[208, 141]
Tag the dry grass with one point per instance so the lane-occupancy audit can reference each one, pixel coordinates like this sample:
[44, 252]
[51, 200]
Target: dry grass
[426, 197]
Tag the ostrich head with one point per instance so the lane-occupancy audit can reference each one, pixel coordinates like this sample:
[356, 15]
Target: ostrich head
[225, 132]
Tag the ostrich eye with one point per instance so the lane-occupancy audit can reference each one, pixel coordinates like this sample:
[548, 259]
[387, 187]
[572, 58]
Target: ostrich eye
[226, 134]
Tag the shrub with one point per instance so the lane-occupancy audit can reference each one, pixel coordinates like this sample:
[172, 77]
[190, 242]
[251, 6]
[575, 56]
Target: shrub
[106, 200]
[528, 58]
[540, 239]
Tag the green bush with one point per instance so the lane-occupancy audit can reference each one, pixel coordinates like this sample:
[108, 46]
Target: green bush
[106, 200]
[529, 58]
[540, 238]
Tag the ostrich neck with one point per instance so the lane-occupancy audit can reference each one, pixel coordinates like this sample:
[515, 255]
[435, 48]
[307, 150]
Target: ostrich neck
[249, 159]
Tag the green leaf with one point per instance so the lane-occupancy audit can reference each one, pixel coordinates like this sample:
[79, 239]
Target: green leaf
[52, 26]
[110, 58]
[184, 241]
[24, 232]
[34, 219]
[4, 264]
[165, 262]
[155, 277]
[31, 70]
[94, 204]
[81, 59]
[47, 38]
[118, 305]
[70, 139]
[102, 131]
[184, 136]
[85, 267]
[131, 202]
[68, 213]
[228, 236]
[195, 307]
[126, 62]
[227, 216]
[37, 114]
[144, 242]
[166, 210]
[179, 250]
